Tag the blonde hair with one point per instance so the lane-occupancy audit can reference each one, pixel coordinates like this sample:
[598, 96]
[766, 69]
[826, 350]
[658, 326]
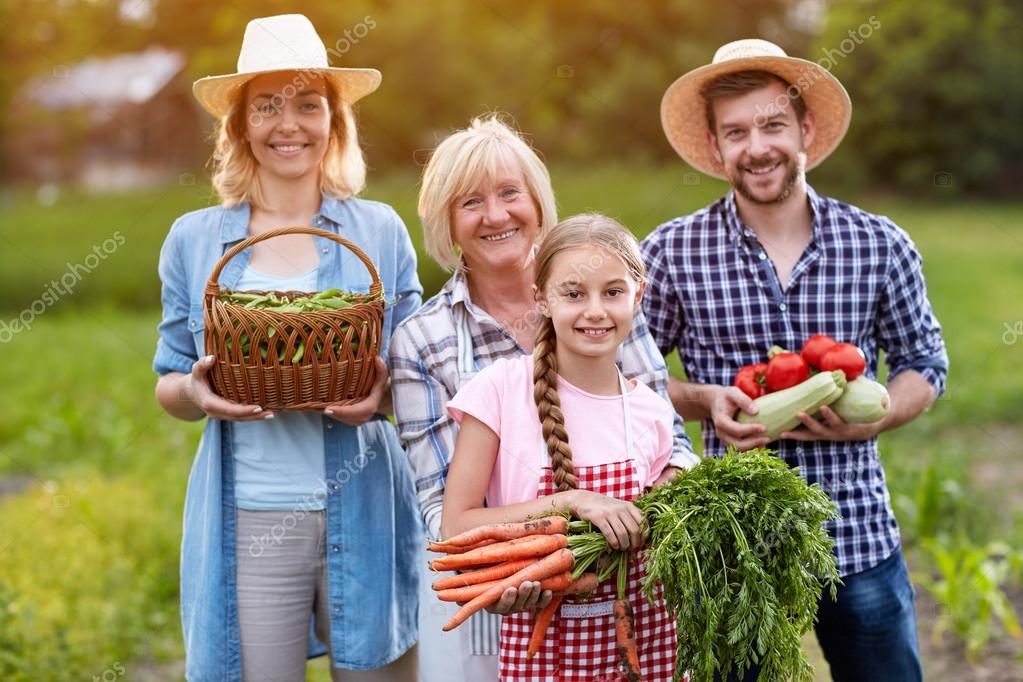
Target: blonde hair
[588, 229]
[463, 160]
[342, 170]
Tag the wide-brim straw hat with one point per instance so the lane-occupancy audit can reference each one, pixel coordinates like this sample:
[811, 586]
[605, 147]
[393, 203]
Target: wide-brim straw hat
[287, 42]
[684, 112]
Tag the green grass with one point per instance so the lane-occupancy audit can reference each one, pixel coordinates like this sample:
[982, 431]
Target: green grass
[88, 552]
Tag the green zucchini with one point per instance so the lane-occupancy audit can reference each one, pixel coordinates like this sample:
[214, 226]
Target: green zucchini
[863, 402]
[779, 411]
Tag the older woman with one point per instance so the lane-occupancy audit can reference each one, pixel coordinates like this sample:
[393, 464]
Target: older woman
[486, 200]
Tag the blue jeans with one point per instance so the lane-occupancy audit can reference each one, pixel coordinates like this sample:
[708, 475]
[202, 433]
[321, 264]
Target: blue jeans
[868, 634]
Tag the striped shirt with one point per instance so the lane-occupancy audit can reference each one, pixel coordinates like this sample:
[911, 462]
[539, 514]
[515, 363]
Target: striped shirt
[715, 296]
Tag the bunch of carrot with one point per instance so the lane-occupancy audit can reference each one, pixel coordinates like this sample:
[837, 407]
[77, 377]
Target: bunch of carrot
[495, 557]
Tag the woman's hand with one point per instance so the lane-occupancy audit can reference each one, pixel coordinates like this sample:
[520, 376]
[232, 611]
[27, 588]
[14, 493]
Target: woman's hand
[195, 388]
[621, 522]
[724, 404]
[377, 402]
[525, 597]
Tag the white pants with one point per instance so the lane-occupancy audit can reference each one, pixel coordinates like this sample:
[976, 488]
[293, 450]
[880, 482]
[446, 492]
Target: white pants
[446, 656]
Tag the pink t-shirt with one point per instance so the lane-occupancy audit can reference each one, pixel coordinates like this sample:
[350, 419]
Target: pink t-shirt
[501, 396]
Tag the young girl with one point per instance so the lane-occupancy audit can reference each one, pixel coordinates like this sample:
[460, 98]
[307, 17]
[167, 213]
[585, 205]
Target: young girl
[294, 521]
[509, 464]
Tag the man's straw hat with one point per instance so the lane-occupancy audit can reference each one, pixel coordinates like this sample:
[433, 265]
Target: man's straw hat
[683, 110]
[287, 42]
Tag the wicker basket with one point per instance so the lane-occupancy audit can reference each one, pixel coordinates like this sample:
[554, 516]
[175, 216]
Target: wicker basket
[317, 380]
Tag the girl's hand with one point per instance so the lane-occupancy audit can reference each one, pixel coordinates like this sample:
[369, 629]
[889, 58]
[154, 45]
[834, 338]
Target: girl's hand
[667, 476]
[195, 388]
[362, 411]
[621, 522]
[527, 596]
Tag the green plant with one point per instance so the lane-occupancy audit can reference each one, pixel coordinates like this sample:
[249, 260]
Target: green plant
[968, 584]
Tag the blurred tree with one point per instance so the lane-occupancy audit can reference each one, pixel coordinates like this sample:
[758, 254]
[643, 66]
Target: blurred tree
[937, 94]
[584, 80]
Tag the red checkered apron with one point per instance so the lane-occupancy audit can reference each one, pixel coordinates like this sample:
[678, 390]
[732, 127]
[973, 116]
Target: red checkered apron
[580, 642]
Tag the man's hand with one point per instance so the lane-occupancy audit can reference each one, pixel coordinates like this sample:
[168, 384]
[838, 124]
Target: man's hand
[832, 428]
[725, 402]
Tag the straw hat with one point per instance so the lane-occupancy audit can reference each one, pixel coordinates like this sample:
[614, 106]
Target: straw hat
[683, 110]
[286, 42]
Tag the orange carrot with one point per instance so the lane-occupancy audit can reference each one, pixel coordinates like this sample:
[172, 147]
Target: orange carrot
[519, 548]
[543, 621]
[625, 637]
[455, 549]
[552, 564]
[463, 594]
[548, 525]
[587, 582]
[482, 575]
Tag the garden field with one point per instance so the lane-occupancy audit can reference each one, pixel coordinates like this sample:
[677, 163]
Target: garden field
[92, 472]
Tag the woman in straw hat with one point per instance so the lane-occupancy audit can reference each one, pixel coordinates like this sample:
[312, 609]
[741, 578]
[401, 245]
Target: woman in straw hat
[773, 263]
[301, 529]
[486, 201]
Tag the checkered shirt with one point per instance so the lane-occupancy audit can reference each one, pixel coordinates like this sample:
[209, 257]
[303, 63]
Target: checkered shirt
[715, 296]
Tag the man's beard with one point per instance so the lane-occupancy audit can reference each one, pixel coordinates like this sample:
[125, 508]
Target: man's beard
[792, 175]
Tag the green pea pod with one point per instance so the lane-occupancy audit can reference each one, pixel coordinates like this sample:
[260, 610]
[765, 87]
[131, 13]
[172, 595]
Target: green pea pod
[335, 303]
[329, 293]
[299, 352]
[257, 302]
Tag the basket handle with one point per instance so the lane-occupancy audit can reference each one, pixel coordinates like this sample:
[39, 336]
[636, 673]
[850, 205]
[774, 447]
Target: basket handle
[213, 288]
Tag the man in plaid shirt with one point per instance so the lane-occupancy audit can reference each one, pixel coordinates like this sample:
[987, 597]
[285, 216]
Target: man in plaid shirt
[773, 263]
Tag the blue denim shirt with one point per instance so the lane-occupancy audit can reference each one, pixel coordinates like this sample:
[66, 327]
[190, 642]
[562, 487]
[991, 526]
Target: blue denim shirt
[374, 529]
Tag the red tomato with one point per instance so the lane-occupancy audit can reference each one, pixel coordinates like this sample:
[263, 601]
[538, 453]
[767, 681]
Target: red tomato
[846, 357]
[815, 347]
[784, 370]
[750, 380]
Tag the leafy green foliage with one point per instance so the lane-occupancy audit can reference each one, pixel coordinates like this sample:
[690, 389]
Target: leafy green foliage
[936, 106]
[969, 584]
[739, 547]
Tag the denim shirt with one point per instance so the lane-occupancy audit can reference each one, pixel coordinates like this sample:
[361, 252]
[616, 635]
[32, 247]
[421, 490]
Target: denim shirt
[374, 529]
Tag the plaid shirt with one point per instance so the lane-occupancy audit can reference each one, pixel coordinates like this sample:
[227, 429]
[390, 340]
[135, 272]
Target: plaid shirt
[441, 346]
[714, 295]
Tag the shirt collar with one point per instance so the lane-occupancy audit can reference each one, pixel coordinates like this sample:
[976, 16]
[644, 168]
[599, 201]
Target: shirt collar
[740, 233]
[235, 225]
[458, 287]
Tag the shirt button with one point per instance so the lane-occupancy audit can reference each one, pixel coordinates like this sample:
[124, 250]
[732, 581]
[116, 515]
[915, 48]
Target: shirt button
[335, 549]
[782, 306]
[337, 608]
[799, 450]
[762, 255]
[334, 486]
[330, 425]
[325, 249]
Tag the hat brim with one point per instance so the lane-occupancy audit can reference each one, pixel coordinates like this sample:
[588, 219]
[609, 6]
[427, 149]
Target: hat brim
[216, 93]
[684, 113]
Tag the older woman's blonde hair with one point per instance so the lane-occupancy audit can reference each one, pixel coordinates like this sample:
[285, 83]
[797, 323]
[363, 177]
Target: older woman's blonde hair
[463, 160]
[342, 170]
